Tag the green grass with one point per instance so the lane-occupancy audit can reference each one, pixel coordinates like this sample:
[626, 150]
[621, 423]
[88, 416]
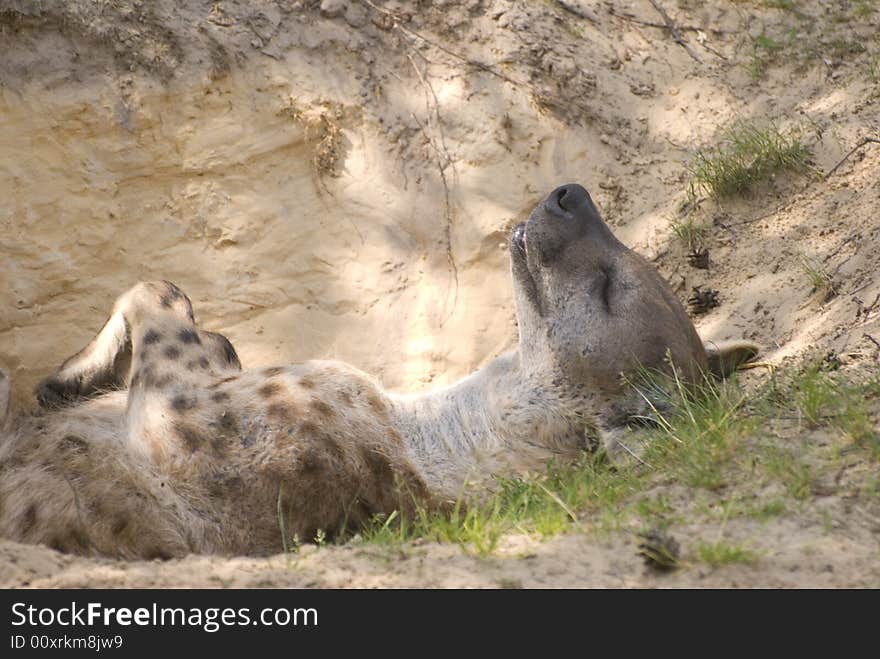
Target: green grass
[815, 394]
[749, 154]
[700, 434]
[820, 279]
[764, 52]
[819, 397]
[788, 468]
[856, 424]
[651, 508]
[543, 505]
[713, 438]
[788, 5]
[767, 510]
[689, 231]
[864, 8]
[874, 69]
[721, 553]
[844, 48]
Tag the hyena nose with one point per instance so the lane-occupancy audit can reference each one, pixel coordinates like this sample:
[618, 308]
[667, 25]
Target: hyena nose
[566, 199]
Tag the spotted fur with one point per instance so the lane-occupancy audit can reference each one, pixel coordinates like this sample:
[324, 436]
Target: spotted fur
[152, 442]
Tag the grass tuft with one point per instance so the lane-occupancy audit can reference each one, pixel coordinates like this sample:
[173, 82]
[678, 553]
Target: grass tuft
[764, 52]
[820, 279]
[794, 473]
[689, 231]
[721, 553]
[816, 395]
[542, 505]
[699, 432]
[749, 154]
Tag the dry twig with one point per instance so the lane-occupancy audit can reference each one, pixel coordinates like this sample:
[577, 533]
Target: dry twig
[673, 30]
[577, 11]
[395, 22]
[444, 159]
[864, 141]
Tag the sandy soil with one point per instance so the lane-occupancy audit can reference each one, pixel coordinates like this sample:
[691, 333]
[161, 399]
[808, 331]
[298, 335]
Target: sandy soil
[337, 179]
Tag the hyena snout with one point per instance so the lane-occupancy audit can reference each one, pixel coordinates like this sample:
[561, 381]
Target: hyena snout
[566, 201]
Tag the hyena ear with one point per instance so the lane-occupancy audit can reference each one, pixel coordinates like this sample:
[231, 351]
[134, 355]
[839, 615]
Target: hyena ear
[5, 393]
[727, 356]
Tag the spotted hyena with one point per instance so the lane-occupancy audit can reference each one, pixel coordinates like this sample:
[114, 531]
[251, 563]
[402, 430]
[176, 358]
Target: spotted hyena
[153, 442]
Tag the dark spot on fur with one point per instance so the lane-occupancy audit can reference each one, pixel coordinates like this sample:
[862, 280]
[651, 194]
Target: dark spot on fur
[162, 381]
[172, 352]
[172, 297]
[306, 382]
[310, 429]
[74, 541]
[273, 371]
[201, 362]
[193, 439]
[378, 465]
[310, 462]
[219, 396]
[346, 397]
[321, 407]
[219, 445]
[280, 412]
[215, 487]
[227, 422]
[332, 445]
[152, 336]
[321, 439]
[171, 294]
[28, 520]
[182, 402]
[74, 444]
[187, 335]
[120, 524]
[269, 389]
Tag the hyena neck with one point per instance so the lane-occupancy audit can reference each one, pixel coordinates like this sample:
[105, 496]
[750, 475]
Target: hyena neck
[492, 422]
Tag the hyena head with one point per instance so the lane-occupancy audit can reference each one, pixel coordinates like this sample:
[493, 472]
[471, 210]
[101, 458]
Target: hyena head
[589, 309]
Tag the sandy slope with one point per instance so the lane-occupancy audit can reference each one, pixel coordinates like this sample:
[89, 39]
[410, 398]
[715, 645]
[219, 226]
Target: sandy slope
[340, 182]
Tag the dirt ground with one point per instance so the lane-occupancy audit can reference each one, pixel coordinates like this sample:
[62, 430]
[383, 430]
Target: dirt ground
[337, 179]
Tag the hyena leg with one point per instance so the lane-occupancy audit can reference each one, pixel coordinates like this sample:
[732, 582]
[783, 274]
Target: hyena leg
[148, 317]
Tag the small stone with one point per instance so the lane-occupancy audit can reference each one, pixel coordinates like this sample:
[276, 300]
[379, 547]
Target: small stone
[356, 15]
[333, 8]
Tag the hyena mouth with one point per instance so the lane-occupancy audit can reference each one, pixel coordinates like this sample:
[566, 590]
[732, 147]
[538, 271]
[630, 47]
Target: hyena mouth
[519, 237]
